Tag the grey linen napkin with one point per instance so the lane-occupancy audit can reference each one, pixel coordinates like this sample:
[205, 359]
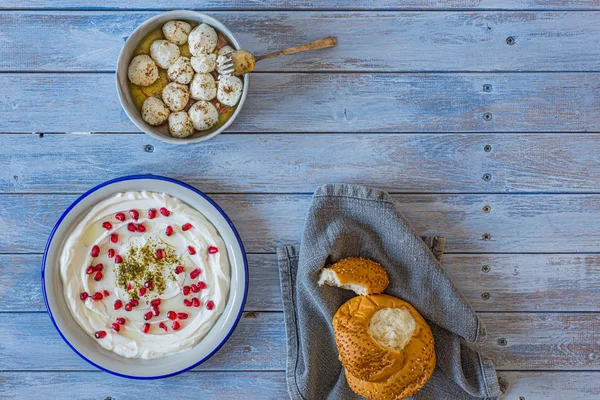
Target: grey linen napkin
[349, 220]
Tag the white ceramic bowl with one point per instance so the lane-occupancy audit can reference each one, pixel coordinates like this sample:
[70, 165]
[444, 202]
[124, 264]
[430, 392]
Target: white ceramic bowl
[87, 347]
[126, 56]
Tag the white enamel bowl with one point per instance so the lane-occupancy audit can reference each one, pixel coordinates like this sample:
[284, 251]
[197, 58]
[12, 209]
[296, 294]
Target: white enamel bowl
[86, 346]
[126, 56]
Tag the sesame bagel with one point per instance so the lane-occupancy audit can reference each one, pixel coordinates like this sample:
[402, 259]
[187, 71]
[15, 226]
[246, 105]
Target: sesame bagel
[385, 346]
[358, 274]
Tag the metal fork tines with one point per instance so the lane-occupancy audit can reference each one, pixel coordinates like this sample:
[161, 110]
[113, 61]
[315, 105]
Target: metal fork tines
[225, 66]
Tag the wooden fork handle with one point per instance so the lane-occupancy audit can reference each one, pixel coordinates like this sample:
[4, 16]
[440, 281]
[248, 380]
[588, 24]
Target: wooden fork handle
[329, 41]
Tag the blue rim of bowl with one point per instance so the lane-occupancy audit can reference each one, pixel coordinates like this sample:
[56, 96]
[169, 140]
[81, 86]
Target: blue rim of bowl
[159, 178]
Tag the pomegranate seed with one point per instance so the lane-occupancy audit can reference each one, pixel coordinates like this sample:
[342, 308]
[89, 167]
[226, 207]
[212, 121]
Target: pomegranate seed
[134, 302]
[128, 307]
[143, 291]
[118, 304]
[100, 334]
[165, 212]
[186, 227]
[129, 286]
[116, 326]
[155, 311]
[148, 315]
[155, 302]
[191, 250]
[195, 288]
[194, 274]
[152, 213]
[163, 327]
[176, 325]
[146, 327]
[196, 302]
[159, 254]
[212, 250]
[114, 238]
[120, 216]
[187, 302]
[182, 315]
[148, 284]
[107, 225]
[134, 214]
[210, 304]
[172, 315]
[83, 296]
[131, 227]
[95, 251]
[106, 293]
[169, 230]
[90, 270]
[141, 228]
[99, 267]
[185, 290]
[97, 296]
[179, 269]
[121, 320]
[111, 253]
[201, 285]
[118, 259]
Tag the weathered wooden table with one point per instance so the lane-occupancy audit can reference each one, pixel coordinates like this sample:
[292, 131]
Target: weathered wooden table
[481, 116]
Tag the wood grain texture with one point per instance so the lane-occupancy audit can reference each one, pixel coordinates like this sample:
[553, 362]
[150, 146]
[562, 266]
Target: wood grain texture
[471, 41]
[285, 164]
[258, 343]
[516, 224]
[262, 5]
[552, 385]
[253, 385]
[527, 282]
[455, 102]
[556, 341]
[514, 282]
[97, 385]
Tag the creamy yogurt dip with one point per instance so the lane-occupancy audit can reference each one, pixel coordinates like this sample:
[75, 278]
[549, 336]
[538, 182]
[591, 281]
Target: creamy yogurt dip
[145, 274]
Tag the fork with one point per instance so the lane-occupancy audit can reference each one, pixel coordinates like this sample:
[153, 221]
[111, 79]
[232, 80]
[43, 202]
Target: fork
[241, 62]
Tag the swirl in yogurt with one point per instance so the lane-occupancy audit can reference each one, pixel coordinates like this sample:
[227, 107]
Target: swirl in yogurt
[145, 274]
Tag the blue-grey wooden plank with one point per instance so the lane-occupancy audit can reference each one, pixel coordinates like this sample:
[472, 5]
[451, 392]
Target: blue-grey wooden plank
[552, 385]
[556, 341]
[367, 41]
[284, 163]
[513, 282]
[516, 223]
[527, 282]
[252, 385]
[262, 5]
[534, 341]
[190, 385]
[284, 102]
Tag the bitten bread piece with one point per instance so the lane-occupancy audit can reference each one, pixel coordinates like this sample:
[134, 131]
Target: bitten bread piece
[385, 346]
[357, 274]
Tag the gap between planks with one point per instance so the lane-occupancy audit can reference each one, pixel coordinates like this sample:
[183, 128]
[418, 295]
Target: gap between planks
[300, 9]
[332, 72]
